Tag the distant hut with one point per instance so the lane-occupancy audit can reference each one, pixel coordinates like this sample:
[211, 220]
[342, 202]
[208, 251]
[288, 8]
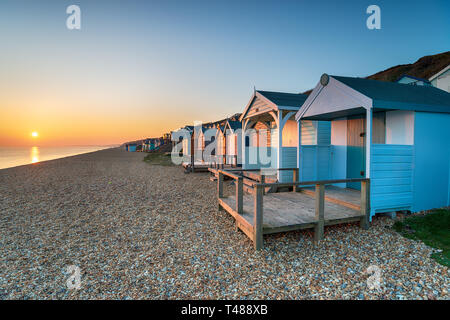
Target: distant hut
[441, 79]
[220, 146]
[233, 142]
[415, 81]
[132, 147]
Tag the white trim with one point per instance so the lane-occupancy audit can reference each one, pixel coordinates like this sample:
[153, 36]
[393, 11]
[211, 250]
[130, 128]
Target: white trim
[280, 144]
[354, 97]
[439, 73]
[368, 140]
[256, 94]
[312, 96]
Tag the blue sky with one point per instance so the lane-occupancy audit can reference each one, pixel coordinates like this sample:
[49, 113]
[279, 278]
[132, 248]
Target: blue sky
[173, 62]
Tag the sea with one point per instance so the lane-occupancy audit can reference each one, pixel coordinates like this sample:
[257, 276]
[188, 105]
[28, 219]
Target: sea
[17, 156]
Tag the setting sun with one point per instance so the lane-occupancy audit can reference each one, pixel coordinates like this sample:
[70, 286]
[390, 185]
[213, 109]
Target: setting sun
[34, 134]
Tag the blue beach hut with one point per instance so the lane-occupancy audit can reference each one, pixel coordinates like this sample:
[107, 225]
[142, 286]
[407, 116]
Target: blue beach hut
[132, 147]
[396, 135]
[268, 122]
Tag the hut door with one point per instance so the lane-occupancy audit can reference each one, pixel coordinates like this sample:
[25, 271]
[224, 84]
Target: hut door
[356, 151]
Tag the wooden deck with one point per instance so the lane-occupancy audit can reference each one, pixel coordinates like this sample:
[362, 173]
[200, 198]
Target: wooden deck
[346, 197]
[259, 213]
[287, 211]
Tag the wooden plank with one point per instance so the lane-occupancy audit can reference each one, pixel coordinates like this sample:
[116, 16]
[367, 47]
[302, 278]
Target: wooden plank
[239, 195]
[246, 227]
[220, 185]
[295, 178]
[320, 207]
[333, 199]
[310, 183]
[258, 217]
[365, 205]
[293, 227]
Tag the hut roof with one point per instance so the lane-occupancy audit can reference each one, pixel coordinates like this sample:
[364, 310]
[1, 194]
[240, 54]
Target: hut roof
[284, 98]
[418, 98]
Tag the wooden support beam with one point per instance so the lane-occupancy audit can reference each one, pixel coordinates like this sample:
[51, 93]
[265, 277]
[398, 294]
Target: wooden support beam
[295, 178]
[365, 204]
[220, 185]
[220, 188]
[263, 180]
[240, 195]
[258, 217]
[320, 212]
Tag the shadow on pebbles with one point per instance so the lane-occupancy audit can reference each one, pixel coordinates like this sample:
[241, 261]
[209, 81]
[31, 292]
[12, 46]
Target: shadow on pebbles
[138, 231]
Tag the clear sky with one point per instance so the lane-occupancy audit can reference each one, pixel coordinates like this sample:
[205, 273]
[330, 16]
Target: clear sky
[138, 69]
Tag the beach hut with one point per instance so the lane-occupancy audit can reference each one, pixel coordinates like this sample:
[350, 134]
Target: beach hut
[187, 141]
[441, 79]
[268, 122]
[132, 147]
[396, 135]
[407, 79]
[203, 136]
[220, 151]
[233, 142]
[146, 145]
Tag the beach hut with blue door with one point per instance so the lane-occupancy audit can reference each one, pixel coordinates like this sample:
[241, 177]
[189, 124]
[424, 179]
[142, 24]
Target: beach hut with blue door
[268, 122]
[396, 135]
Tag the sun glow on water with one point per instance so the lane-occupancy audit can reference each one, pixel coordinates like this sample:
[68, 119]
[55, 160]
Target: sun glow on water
[34, 154]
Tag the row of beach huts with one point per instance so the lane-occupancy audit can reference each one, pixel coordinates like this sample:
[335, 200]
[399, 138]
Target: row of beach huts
[349, 150]
[148, 144]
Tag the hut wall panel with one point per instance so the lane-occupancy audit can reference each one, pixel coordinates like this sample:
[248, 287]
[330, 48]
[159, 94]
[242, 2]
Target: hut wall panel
[315, 163]
[323, 132]
[432, 160]
[289, 155]
[258, 106]
[290, 134]
[391, 177]
[253, 159]
[308, 134]
[339, 150]
[400, 127]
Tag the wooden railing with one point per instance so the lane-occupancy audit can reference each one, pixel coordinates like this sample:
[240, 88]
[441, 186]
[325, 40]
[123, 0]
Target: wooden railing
[239, 184]
[258, 194]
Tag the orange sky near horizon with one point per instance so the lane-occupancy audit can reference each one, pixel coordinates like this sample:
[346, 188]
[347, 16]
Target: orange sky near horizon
[95, 112]
[139, 69]
[67, 125]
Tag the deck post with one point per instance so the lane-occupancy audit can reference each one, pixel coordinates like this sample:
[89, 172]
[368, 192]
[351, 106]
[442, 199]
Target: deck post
[365, 204]
[258, 217]
[295, 178]
[220, 184]
[320, 208]
[239, 195]
[263, 180]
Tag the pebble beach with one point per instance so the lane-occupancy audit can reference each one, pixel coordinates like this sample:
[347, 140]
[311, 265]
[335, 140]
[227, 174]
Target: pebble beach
[142, 231]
